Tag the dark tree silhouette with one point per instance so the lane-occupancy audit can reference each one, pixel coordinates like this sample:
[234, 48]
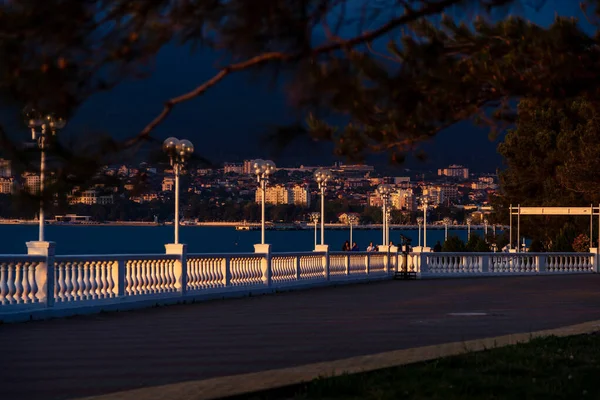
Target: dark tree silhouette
[433, 72]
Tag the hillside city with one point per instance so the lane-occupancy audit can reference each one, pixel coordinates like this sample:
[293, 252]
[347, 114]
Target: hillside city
[229, 193]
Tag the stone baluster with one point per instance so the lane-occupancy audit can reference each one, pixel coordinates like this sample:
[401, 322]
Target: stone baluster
[18, 282]
[4, 268]
[32, 282]
[10, 281]
[25, 265]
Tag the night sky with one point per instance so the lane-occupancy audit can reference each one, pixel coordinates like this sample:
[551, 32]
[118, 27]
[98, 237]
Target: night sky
[226, 124]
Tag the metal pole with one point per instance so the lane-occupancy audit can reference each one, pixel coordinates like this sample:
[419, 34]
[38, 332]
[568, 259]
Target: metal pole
[591, 224]
[510, 226]
[351, 234]
[387, 225]
[468, 231]
[42, 176]
[419, 235]
[425, 225]
[518, 228]
[446, 234]
[322, 214]
[383, 224]
[316, 222]
[176, 222]
[263, 187]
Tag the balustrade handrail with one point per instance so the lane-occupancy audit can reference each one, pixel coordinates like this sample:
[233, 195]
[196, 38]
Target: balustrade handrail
[113, 257]
[339, 252]
[225, 255]
[468, 253]
[297, 254]
[21, 257]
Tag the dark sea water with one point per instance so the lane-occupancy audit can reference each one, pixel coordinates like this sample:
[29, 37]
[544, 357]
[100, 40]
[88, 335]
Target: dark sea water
[101, 239]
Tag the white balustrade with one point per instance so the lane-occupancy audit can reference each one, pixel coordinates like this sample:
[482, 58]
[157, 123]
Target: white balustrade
[377, 262]
[311, 267]
[19, 280]
[246, 270]
[337, 264]
[357, 263]
[514, 263]
[569, 263]
[150, 275]
[207, 272]
[110, 279]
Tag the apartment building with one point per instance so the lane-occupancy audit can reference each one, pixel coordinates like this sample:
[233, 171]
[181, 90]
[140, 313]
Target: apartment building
[31, 182]
[281, 194]
[168, 183]
[91, 196]
[5, 168]
[233, 168]
[454, 171]
[7, 185]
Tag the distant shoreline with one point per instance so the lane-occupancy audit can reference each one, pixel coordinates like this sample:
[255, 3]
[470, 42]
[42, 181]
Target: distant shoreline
[270, 226]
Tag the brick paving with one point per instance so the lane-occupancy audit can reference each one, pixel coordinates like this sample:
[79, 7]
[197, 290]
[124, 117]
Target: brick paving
[105, 353]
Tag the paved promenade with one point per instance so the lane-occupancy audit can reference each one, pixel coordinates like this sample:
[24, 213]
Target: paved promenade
[104, 353]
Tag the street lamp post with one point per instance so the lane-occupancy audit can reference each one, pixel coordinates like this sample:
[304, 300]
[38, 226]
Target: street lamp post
[314, 218]
[425, 223]
[43, 128]
[179, 151]
[485, 228]
[322, 175]
[384, 191]
[420, 222]
[447, 221]
[352, 220]
[469, 222]
[263, 169]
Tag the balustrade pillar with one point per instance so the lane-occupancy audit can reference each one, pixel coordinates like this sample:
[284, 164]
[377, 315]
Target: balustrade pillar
[421, 266]
[541, 261]
[385, 250]
[180, 269]
[118, 277]
[44, 272]
[226, 271]
[486, 263]
[347, 263]
[594, 255]
[297, 268]
[324, 248]
[393, 254]
[265, 249]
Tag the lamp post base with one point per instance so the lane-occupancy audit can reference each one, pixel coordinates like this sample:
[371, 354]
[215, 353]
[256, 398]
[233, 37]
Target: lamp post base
[322, 248]
[262, 248]
[175, 248]
[421, 249]
[38, 248]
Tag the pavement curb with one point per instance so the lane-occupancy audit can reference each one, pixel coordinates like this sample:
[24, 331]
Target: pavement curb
[226, 386]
